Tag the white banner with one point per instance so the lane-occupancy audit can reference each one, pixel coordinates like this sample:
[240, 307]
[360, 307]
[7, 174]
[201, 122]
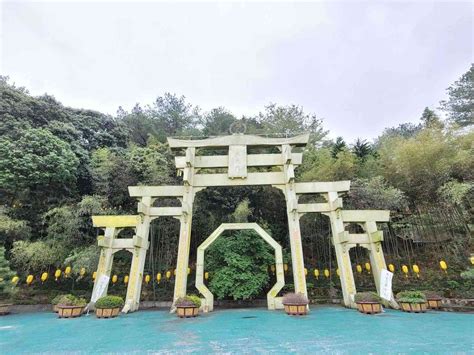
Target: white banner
[99, 290]
[386, 284]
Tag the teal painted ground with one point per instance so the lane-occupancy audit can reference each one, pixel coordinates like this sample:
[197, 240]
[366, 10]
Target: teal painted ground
[326, 329]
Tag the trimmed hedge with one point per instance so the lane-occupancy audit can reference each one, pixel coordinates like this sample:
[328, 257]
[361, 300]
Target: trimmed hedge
[109, 302]
[411, 297]
[188, 301]
[68, 300]
[366, 297]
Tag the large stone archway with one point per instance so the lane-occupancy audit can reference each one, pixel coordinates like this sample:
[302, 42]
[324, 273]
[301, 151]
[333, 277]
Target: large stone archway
[273, 302]
[200, 171]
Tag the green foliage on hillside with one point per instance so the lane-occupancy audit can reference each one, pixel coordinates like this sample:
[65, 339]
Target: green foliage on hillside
[60, 165]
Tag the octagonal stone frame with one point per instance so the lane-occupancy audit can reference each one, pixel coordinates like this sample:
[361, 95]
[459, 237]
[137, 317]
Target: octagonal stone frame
[273, 302]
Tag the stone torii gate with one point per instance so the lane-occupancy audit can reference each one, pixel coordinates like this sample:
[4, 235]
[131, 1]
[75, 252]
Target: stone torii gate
[239, 168]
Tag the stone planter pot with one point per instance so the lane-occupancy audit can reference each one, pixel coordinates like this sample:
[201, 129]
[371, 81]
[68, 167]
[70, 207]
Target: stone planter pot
[369, 307]
[70, 311]
[187, 312]
[5, 308]
[296, 309]
[107, 312]
[434, 303]
[413, 307]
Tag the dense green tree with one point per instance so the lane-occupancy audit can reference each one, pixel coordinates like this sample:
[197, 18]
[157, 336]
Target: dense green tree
[374, 194]
[217, 122]
[460, 104]
[37, 161]
[430, 119]
[238, 261]
[291, 120]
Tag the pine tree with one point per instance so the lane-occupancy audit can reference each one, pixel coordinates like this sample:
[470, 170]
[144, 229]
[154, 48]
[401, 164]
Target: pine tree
[338, 147]
[460, 105]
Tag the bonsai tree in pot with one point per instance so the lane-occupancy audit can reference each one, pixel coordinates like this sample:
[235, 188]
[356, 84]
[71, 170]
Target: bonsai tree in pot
[70, 306]
[6, 288]
[295, 304]
[433, 299]
[412, 301]
[108, 306]
[188, 306]
[368, 302]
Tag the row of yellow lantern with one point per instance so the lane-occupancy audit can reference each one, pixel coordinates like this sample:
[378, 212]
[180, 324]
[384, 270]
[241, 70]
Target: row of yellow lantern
[57, 274]
[405, 269]
[68, 270]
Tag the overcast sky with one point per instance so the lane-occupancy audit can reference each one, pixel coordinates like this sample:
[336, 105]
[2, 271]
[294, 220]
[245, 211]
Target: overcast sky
[360, 66]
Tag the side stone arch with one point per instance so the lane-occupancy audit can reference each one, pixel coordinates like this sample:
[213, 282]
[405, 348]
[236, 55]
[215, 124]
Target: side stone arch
[273, 301]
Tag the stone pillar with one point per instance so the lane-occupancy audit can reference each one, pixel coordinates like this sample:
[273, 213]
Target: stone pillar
[140, 244]
[342, 254]
[106, 257]
[185, 227]
[377, 259]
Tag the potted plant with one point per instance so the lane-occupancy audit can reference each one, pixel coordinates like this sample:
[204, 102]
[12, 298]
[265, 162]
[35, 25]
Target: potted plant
[296, 304]
[188, 306]
[108, 306]
[368, 302]
[70, 306]
[56, 300]
[412, 301]
[433, 299]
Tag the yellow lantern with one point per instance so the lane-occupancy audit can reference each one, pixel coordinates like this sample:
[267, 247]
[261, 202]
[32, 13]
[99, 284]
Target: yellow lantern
[174, 272]
[158, 277]
[337, 272]
[206, 275]
[44, 276]
[82, 272]
[94, 275]
[15, 279]
[416, 270]
[114, 279]
[285, 267]
[391, 267]
[57, 274]
[316, 273]
[305, 271]
[67, 271]
[443, 265]
[189, 270]
[405, 270]
[125, 279]
[472, 259]
[326, 272]
[272, 268]
[168, 274]
[359, 268]
[367, 267]
[29, 279]
[147, 279]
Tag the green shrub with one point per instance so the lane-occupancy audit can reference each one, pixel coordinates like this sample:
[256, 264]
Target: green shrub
[188, 301]
[411, 297]
[195, 299]
[68, 300]
[366, 297]
[109, 302]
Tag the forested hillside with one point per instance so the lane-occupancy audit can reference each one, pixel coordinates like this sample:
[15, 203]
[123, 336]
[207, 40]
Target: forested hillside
[60, 165]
